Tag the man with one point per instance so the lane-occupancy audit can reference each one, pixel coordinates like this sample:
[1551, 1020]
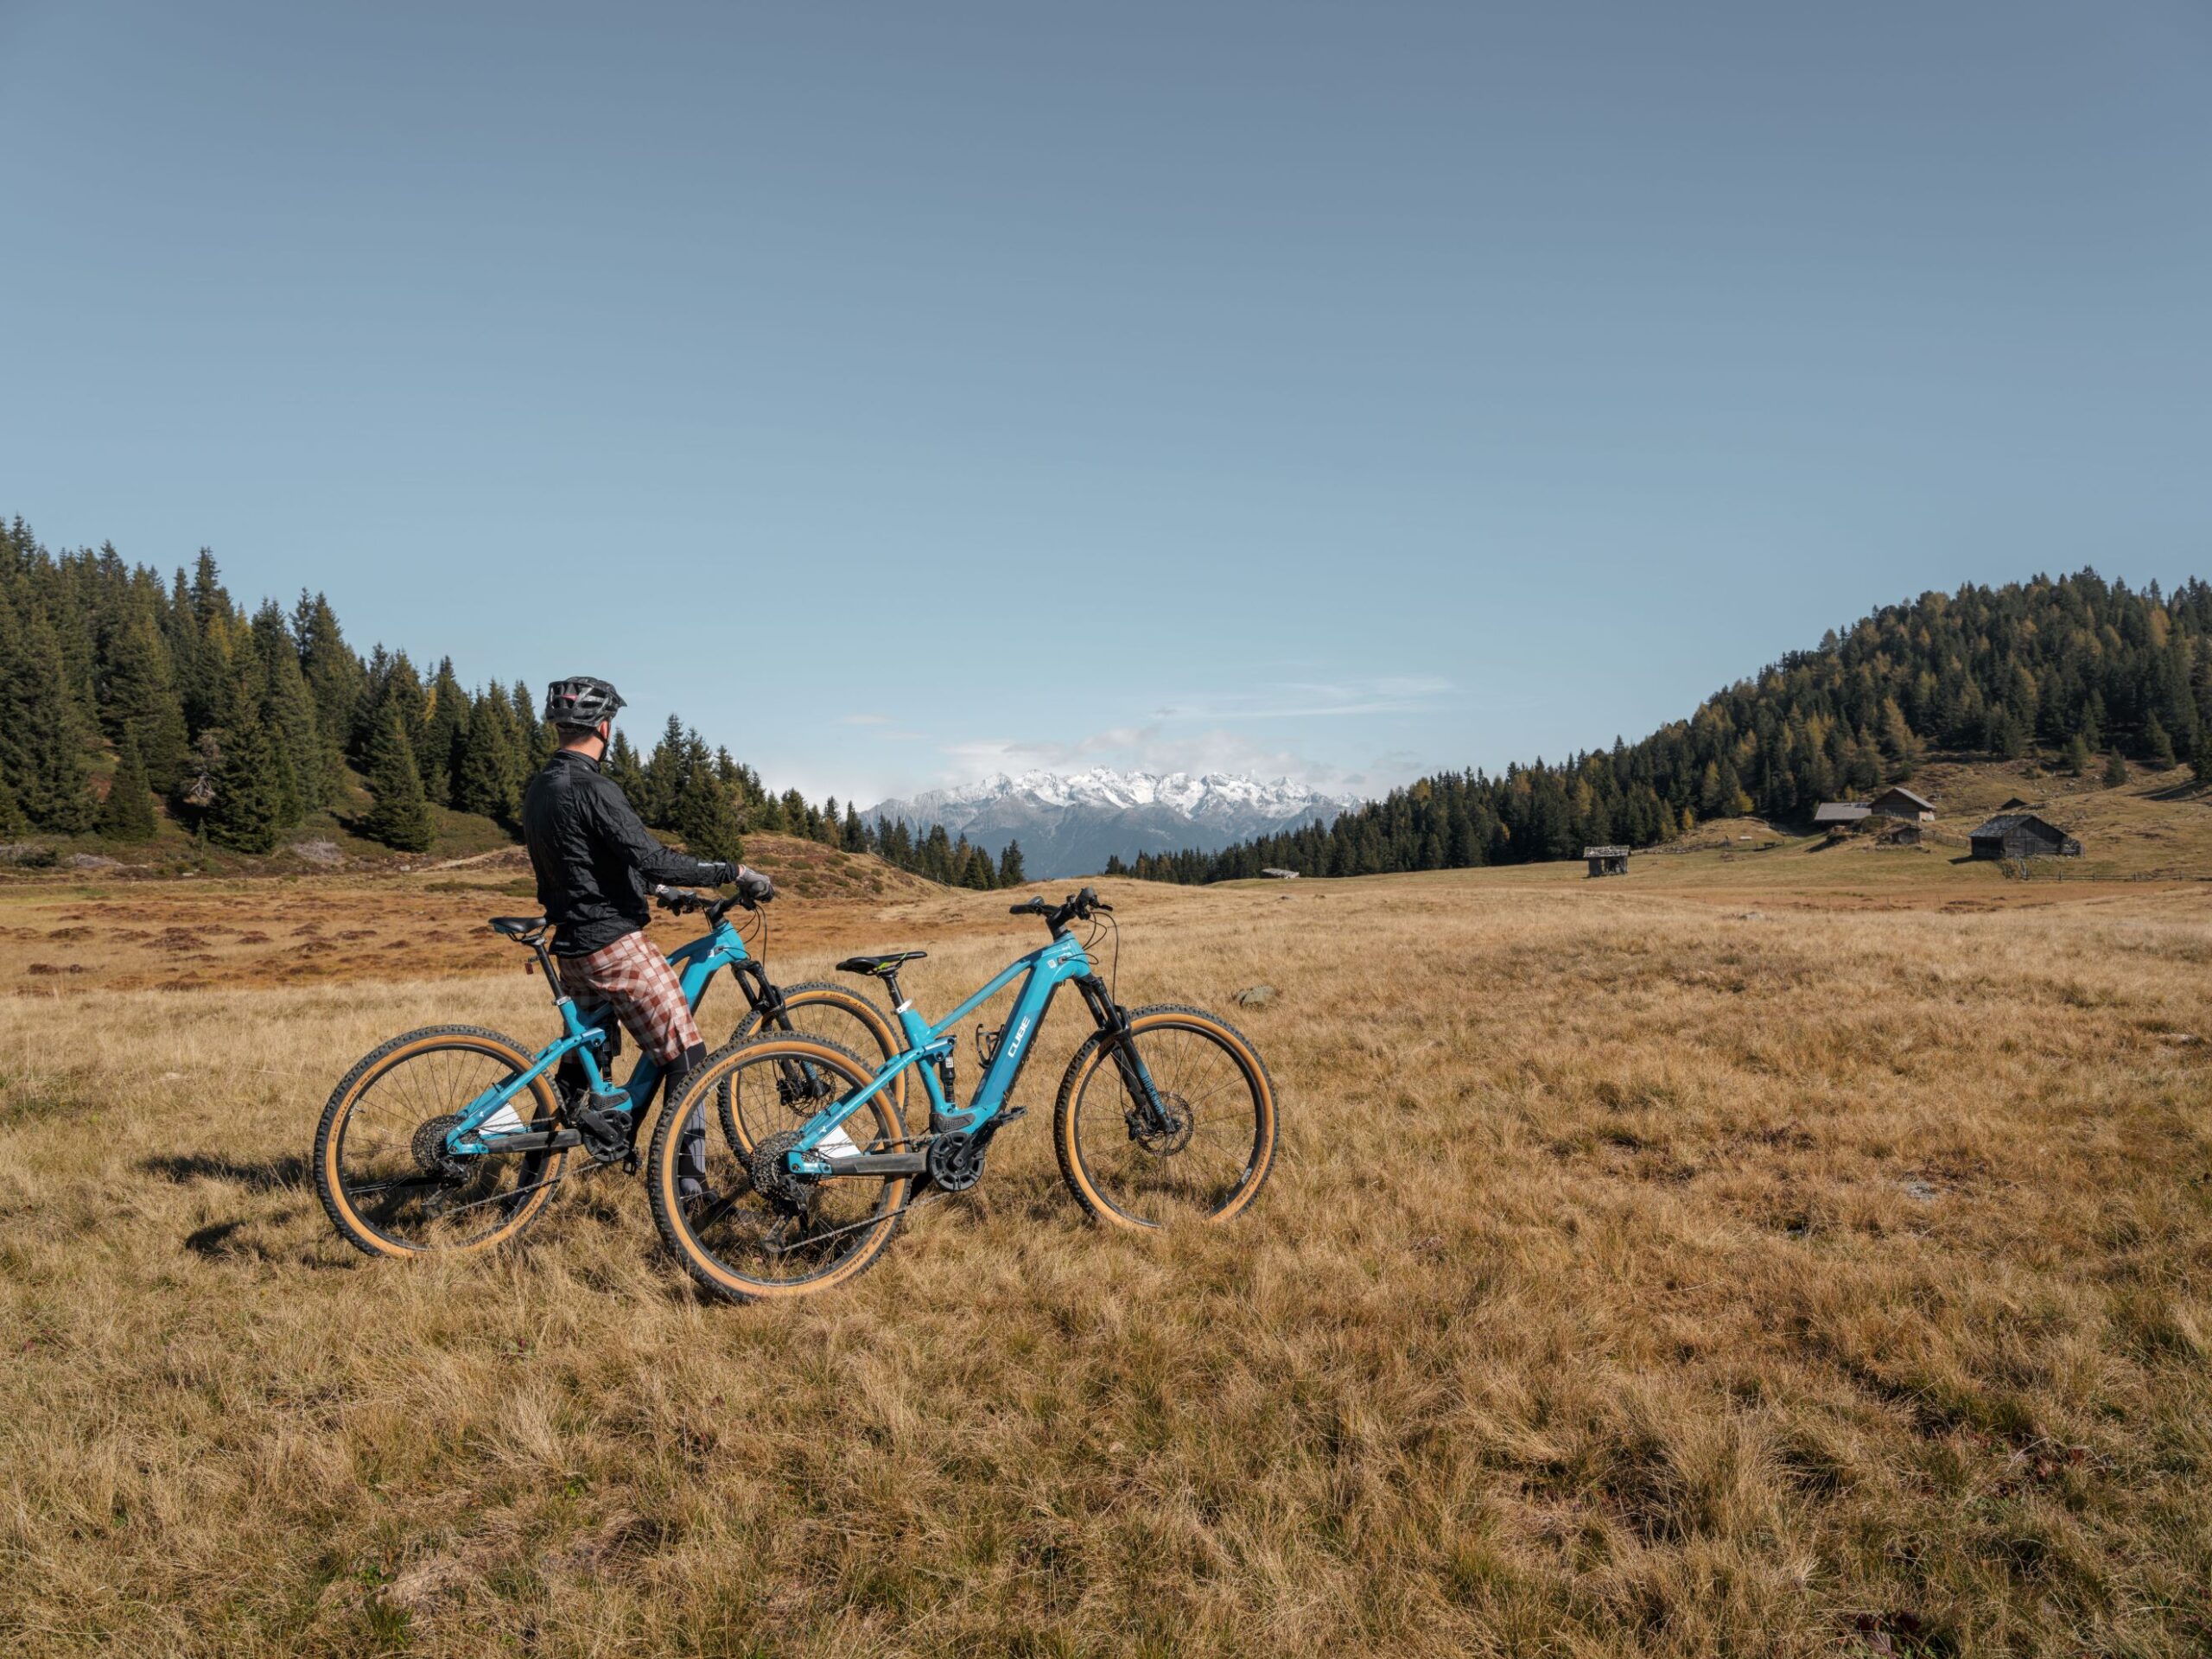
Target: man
[596, 862]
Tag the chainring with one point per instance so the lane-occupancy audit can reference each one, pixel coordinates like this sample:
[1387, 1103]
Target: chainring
[1166, 1141]
[774, 1179]
[429, 1147]
[955, 1161]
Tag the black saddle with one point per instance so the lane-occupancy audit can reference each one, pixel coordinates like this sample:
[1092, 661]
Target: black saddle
[883, 964]
[525, 928]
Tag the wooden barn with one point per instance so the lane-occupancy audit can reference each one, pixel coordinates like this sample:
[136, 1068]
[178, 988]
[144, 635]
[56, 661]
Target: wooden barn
[2022, 834]
[1898, 802]
[1606, 861]
[1830, 815]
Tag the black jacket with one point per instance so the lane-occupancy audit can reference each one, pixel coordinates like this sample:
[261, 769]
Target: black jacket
[594, 857]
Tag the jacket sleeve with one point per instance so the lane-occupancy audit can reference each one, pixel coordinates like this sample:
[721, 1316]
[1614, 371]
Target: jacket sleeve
[617, 825]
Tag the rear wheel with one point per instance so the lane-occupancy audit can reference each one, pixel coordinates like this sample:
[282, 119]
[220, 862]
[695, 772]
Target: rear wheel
[380, 1166]
[1207, 1152]
[784, 1235]
[830, 1013]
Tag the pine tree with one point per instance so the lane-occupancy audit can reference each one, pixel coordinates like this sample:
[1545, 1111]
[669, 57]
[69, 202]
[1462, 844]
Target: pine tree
[1010, 872]
[288, 714]
[245, 813]
[11, 815]
[2115, 771]
[662, 782]
[129, 813]
[706, 819]
[2158, 744]
[484, 781]
[401, 817]
[46, 737]
[2200, 754]
[444, 733]
[2077, 756]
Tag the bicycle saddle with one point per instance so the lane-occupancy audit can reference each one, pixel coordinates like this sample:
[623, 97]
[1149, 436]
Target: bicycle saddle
[518, 927]
[882, 964]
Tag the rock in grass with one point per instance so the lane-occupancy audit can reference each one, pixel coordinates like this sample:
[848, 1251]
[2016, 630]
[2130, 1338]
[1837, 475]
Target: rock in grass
[1256, 996]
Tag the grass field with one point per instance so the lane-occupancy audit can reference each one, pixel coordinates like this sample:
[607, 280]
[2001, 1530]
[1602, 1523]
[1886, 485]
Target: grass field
[1788, 1252]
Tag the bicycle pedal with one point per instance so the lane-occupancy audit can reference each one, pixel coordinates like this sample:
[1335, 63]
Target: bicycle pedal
[630, 1164]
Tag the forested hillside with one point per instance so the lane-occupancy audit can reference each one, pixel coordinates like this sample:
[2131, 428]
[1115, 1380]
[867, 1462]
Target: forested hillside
[138, 701]
[2071, 668]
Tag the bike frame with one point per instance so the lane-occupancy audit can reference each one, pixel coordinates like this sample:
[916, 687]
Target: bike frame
[1047, 969]
[696, 963]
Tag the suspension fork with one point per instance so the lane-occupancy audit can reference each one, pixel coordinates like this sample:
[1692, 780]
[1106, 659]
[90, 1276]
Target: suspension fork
[1146, 1113]
[801, 1079]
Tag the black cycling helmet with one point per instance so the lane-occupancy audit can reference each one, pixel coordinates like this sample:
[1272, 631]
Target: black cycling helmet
[581, 702]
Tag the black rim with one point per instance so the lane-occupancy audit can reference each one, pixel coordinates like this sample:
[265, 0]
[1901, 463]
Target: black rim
[1193, 1162]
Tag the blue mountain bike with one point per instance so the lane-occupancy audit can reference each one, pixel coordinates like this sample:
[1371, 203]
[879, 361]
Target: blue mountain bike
[1164, 1113]
[454, 1138]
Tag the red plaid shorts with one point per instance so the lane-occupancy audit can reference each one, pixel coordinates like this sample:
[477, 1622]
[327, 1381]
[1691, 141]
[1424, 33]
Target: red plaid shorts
[634, 980]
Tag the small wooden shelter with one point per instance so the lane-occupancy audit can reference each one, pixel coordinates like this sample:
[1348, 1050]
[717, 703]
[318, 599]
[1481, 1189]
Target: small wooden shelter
[1606, 861]
[1832, 813]
[2022, 834]
[1898, 802]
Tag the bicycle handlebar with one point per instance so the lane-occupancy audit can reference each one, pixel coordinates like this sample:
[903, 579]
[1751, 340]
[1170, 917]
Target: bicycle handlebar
[1076, 907]
[677, 901]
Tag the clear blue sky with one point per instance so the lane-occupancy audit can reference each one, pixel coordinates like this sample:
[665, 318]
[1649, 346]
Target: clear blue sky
[904, 391]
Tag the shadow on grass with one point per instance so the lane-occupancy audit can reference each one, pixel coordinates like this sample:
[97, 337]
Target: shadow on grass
[256, 1175]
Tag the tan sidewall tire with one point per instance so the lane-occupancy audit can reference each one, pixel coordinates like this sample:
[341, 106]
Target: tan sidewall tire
[661, 1173]
[330, 1136]
[822, 995]
[1087, 1060]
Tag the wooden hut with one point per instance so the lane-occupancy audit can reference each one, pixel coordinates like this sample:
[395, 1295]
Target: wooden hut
[1606, 861]
[1898, 802]
[2022, 834]
[1832, 815]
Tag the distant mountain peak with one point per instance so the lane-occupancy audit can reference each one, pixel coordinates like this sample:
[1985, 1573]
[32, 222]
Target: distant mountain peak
[1070, 822]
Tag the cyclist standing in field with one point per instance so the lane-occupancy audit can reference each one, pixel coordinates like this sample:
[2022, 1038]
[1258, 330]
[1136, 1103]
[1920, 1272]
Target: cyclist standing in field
[596, 862]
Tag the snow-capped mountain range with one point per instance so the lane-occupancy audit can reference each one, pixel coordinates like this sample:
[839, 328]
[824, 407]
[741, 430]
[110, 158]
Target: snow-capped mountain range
[1071, 825]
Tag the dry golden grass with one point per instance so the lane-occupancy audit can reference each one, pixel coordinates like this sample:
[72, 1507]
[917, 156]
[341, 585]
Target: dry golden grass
[1640, 1276]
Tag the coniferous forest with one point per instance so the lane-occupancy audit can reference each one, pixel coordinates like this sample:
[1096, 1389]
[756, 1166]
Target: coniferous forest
[2074, 668]
[139, 699]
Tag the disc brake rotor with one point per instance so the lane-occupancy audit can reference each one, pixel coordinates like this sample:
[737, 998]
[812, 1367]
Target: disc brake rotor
[1171, 1136]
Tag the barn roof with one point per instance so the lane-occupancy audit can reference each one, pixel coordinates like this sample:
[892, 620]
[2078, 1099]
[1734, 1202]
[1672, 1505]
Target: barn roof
[1841, 812]
[1604, 852]
[2005, 823]
[1920, 801]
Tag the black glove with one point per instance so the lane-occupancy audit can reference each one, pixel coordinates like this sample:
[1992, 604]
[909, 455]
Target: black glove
[751, 885]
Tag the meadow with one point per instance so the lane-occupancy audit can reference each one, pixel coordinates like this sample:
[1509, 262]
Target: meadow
[1777, 1253]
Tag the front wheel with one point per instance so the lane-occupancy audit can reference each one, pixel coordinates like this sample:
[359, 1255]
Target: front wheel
[1201, 1156]
[380, 1163]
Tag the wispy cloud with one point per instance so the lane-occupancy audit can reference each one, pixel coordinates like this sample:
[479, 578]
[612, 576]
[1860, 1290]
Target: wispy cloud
[1315, 700]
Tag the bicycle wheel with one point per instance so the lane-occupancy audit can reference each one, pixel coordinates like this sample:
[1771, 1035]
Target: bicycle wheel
[815, 1009]
[380, 1164]
[785, 1235]
[1208, 1161]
